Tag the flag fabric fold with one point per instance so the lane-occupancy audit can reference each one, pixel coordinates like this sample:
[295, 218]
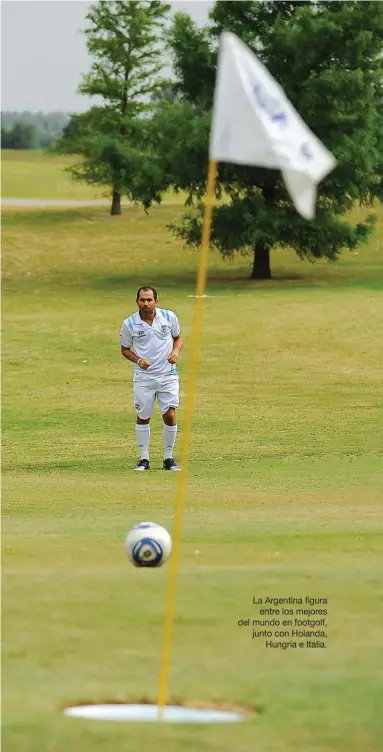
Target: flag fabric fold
[254, 123]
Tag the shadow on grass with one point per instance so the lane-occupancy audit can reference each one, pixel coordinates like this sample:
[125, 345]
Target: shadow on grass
[31, 217]
[163, 278]
[123, 464]
[44, 218]
[232, 273]
[95, 466]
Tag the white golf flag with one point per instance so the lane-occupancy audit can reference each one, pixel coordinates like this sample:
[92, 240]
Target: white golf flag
[255, 124]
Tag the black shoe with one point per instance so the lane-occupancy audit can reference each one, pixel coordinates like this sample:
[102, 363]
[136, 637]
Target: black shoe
[142, 465]
[170, 464]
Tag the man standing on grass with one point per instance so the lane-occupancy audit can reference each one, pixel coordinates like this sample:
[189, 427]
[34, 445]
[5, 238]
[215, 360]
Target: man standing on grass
[151, 339]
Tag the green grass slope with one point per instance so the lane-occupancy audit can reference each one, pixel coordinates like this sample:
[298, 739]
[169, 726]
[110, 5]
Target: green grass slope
[283, 500]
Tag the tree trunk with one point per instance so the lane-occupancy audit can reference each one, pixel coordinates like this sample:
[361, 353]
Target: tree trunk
[116, 203]
[261, 262]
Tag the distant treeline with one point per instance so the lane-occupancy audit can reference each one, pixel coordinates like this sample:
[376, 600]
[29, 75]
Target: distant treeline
[31, 130]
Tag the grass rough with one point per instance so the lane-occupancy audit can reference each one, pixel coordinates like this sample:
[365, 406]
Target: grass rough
[284, 490]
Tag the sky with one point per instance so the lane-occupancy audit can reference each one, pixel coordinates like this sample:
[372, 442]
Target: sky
[43, 52]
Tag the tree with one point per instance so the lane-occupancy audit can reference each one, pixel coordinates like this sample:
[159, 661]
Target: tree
[328, 58]
[21, 136]
[166, 94]
[127, 161]
[6, 141]
[46, 129]
[124, 39]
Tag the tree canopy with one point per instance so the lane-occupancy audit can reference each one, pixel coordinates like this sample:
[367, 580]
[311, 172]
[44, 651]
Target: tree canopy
[328, 59]
[124, 40]
[149, 134]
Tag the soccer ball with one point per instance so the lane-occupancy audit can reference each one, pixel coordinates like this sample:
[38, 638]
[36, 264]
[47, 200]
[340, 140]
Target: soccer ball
[148, 545]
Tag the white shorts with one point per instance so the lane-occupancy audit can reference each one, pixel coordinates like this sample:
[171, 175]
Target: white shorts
[145, 390]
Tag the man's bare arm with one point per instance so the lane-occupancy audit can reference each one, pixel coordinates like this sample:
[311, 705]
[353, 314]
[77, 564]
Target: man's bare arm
[130, 355]
[177, 347]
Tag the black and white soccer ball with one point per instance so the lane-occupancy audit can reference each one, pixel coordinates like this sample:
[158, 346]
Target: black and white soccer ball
[148, 545]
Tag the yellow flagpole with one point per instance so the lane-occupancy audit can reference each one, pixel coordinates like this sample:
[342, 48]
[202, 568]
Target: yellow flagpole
[184, 455]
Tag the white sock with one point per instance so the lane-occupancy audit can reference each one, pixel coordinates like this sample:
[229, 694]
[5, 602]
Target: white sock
[169, 435]
[143, 436]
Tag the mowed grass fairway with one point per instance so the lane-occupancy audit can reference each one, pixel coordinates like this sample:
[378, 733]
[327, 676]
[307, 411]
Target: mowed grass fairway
[284, 491]
[35, 174]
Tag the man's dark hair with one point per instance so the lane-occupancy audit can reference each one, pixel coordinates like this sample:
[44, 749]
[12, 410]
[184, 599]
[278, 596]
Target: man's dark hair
[145, 288]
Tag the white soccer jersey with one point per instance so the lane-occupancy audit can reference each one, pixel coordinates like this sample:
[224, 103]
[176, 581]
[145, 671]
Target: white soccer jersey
[154, 343]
